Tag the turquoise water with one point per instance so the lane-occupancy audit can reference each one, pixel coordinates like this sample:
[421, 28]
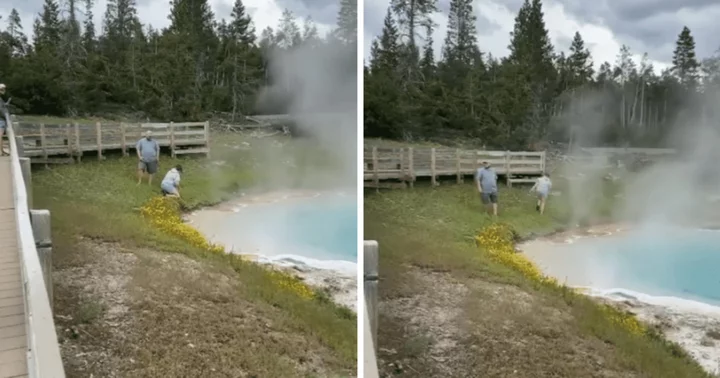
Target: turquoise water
[327, 229]
[319, 228]
[670, 262]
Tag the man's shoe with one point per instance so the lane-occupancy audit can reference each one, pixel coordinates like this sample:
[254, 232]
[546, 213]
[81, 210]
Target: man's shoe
[537, 207]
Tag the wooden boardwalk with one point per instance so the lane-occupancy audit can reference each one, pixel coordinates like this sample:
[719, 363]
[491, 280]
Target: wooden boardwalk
[13, 339]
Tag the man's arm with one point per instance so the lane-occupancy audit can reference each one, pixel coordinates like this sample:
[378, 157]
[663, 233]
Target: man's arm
[157, 151]
[535, 186]
[138, 149]
[478, 179]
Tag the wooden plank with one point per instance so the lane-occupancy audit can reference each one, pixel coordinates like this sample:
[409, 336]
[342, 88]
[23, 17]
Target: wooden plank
[11, 343]
[10, 355]
[192, 151]
[13, 369]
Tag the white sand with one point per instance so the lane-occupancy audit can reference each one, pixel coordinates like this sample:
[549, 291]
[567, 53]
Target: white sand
[685, 322]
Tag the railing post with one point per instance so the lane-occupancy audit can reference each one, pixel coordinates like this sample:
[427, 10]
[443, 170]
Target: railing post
[40, 220]
[433, 179]
[19, 142]
[98, 136]
[370, 255]
[172, 140]
[27, 178]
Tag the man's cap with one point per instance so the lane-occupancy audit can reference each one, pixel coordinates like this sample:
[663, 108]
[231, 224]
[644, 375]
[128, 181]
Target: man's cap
[178, 168]
[2, 86]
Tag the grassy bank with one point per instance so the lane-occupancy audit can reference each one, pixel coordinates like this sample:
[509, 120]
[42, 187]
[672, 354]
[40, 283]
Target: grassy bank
[256, 327]
[450, 307]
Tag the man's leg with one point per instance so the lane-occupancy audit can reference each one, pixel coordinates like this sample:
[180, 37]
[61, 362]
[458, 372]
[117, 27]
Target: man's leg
[141, 171]
[152, 167]
[543, 198]
[485, 198]
[494, 199]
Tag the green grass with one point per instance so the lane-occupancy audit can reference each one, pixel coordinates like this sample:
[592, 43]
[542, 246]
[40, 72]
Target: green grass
[431, 230]
[100, 200]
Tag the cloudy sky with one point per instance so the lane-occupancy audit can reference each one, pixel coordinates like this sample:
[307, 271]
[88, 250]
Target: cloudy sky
[155, 12]
[648, 26]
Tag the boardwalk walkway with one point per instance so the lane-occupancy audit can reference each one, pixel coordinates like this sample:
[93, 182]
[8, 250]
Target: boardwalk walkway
[13, 338]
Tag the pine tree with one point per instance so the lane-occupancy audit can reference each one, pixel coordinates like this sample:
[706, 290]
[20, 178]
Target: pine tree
[347, 22]
[579, 62]
[18, 41]
[427, 62]
[386, 55]
[461, 39]
[288, 33]
[88, 37]
[685, 65]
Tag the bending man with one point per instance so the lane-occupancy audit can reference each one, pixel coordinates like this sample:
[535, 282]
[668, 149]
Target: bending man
[170, 185]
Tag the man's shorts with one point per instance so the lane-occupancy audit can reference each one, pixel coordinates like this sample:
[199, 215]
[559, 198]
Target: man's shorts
[168, 188]
[488, 198]
[542, 195]
[149, 167]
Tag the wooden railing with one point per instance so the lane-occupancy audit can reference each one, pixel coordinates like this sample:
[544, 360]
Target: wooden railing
[45, 140]
[43, 351]
[407, 164]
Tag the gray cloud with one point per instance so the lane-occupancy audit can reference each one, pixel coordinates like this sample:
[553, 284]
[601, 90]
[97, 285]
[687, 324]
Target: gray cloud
[650, 26]
[156, 12]
[322, 11]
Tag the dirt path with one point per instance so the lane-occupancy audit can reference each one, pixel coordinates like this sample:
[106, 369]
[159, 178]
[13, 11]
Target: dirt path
[140, 313]
[474, 328]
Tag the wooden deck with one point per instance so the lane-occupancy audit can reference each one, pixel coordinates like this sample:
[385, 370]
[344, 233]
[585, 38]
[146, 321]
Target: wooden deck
[67, 143]
[13, 339]
[407, 164]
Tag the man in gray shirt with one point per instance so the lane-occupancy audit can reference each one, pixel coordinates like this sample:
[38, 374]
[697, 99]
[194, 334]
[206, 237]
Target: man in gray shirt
[148, 152]
[486, 180]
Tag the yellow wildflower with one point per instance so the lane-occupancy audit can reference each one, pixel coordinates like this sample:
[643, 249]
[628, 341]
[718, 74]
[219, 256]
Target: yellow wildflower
[497, 240]
[165, 214]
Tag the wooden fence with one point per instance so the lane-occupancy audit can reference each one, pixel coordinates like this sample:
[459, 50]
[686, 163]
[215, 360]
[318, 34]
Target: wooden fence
[407, 164]
[45, 142]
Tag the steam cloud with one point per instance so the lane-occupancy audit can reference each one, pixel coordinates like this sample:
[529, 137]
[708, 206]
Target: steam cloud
[321, 82]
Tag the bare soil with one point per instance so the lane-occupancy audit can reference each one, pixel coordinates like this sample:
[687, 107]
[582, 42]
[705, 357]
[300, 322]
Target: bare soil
[475, 328]
[141, 313]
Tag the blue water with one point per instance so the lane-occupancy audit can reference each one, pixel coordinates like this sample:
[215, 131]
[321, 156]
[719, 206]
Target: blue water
[670, 262]
[328, 227]
[319, 228]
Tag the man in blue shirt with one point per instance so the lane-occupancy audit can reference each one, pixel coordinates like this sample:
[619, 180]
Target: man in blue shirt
[486, 180]
[148, 152]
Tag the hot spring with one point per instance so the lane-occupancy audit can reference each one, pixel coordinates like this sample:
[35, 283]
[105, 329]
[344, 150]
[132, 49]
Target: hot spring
[318, 230]
[658, 262]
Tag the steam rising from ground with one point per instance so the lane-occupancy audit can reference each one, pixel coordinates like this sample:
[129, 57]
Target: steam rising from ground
[673, 190]
[319, 81]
